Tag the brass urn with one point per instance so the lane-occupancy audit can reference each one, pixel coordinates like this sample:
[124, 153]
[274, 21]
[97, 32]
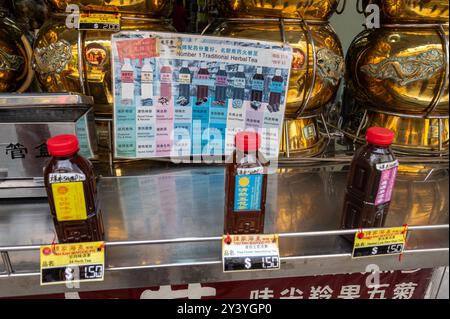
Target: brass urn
[401, 69]
[305, 9]
[157, 8]
[16, 74]
[411, 11]
[60, 53]
[317, 64]
[316, 71]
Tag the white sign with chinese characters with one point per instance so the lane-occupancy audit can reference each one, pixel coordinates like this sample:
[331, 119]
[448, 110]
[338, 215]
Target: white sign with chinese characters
[187, 95]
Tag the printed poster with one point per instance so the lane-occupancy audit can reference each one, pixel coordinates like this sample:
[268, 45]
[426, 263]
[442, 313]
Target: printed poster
[187, 95]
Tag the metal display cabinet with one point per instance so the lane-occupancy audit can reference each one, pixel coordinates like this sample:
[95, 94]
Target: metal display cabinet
[26, 122]
[164, 224]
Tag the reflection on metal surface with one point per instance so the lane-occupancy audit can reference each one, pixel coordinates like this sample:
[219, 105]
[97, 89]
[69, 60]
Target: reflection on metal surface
[147, 7]
[422, 196]
[405, 70]
[306, 9]
[60, 72]
[302, 97]
[297, 212]
[301, 137]
[95, 54]
[411, 134]
[53, 58]
[399, 11]
[401, 69]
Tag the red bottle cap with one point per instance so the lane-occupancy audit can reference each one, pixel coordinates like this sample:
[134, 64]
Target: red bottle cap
[63, 145]
[247, 141]
[379, 136]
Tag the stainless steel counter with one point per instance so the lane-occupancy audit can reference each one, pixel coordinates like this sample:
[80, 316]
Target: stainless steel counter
[156, 203]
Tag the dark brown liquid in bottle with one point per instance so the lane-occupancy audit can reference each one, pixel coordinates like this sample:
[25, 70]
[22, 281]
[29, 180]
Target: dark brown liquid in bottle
[244, 221]
[74, 231]
[360, 207]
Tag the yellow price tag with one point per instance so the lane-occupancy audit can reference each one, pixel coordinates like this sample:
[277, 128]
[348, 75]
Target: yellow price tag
[72, 263]
[99, 21]
[376, 242]
[250, 252]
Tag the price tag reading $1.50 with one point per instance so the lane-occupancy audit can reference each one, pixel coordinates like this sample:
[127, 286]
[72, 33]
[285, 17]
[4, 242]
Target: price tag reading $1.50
[250, 252]
[378, 242]
[72, 263]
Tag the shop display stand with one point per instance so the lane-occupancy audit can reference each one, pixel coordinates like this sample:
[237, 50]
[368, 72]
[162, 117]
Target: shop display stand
[164, 226]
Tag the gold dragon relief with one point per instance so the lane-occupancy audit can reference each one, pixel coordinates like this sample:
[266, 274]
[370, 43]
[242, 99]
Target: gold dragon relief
[330, 66]
[404, 70]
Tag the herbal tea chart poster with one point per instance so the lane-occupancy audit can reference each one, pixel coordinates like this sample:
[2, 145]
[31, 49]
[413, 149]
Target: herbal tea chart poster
[187, 95]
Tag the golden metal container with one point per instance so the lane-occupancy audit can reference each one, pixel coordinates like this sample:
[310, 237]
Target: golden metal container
[57, 63]
[412, 11]
[306, 9]
[412, 135]
[16, 74]
[317, 65]
[301, 137]
[401, 69]
[140, 7]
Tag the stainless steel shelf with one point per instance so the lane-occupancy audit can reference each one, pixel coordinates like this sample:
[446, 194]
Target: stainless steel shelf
[163, 226]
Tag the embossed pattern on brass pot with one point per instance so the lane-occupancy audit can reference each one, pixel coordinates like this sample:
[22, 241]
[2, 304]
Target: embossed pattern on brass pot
[301, 137]
[400, 69]
[306, 9]
[412, 11]
[13, 60]
[56, 58]
[329, 59]
[140, 7]
[412, 133]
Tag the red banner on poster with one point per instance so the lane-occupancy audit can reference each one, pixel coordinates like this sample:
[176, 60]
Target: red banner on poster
[138, 48]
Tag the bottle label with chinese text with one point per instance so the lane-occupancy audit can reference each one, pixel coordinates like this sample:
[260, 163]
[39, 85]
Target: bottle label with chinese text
[247, 196]
[387, 181]
[68, 196]
[258, 85]
[239, 83]
[276, 87]
[147, 77]
[221, 80]
[127, 76]
[166, 77]
[184, 78]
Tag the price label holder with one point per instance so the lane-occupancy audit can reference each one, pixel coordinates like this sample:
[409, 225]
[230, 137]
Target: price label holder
[99, 21]
[379, 242]
[250, 252]
[72, 263]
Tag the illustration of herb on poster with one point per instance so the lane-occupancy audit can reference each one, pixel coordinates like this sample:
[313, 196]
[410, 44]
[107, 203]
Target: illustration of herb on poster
[188, 95]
